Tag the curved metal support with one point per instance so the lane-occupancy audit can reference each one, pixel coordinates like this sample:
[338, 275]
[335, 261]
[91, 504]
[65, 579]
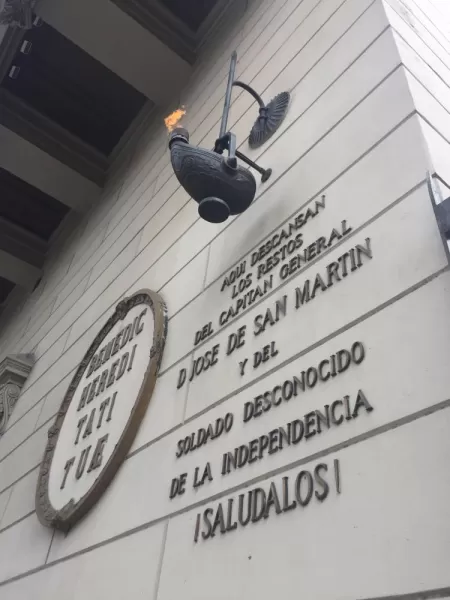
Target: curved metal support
[251, 91]
[262, 129]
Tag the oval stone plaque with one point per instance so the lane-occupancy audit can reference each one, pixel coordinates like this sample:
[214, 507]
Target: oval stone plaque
[101, 410]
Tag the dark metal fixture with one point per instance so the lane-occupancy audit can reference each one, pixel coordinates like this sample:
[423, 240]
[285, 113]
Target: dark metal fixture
[441, 207]
[219, 184]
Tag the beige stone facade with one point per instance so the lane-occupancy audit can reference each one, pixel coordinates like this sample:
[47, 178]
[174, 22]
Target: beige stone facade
[369, 118]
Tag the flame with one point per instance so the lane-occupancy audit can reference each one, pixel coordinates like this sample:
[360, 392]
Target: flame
[172, 120]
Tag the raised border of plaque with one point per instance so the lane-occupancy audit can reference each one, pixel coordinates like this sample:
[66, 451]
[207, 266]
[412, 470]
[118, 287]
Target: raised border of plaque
[72, 512]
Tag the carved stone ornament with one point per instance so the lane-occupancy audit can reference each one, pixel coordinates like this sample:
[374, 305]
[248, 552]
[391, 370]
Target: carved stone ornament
[14, 371]
[17, 13]
[101, 411]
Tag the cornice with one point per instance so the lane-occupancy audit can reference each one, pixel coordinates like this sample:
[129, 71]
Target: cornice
[17, 367]
[155, 18]
[50, 137]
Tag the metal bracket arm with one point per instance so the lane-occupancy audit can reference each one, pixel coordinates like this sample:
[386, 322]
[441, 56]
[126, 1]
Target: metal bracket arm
[442, 212]
[228, 142]
[441, 207]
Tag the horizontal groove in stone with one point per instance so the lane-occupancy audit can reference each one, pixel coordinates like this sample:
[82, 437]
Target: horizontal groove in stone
[445, 404]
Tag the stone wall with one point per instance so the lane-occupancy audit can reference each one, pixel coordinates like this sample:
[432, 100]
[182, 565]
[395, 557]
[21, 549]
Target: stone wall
[369, 117]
